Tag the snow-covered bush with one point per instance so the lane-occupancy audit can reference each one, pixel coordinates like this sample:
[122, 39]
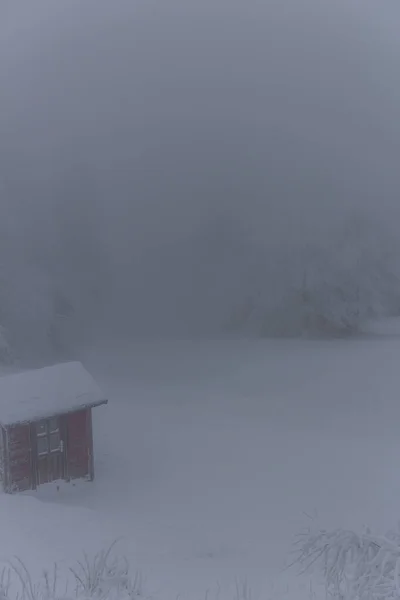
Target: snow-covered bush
[355, 567]
[328, 288]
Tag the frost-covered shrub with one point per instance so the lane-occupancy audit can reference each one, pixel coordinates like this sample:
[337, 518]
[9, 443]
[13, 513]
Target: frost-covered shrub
[328, 288]
[102, 577]
[355, 567]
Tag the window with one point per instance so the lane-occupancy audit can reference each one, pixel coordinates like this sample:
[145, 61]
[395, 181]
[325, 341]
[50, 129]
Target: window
[54, 442]
[41, 428]
[48, 437]
[53, 425]
[42, 445]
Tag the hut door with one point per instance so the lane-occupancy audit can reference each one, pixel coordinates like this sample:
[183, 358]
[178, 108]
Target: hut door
[50, 451]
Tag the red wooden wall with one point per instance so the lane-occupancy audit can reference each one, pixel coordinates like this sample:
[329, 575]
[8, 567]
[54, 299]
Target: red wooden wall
[19, 458]
[79, 444]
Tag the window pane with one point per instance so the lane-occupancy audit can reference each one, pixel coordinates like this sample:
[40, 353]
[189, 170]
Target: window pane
[41, 428]
[42, 445]
[54, 442]
[53, 425]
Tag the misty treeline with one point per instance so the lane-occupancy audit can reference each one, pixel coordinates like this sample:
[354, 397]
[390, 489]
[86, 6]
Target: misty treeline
[195, 168]
[69, 275]
[326, 288]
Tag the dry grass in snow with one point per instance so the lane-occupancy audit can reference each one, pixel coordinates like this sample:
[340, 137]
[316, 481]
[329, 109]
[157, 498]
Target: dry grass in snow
[354, 566]
[99, 578]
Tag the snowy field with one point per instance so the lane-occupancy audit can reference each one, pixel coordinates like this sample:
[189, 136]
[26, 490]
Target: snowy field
[209, 455]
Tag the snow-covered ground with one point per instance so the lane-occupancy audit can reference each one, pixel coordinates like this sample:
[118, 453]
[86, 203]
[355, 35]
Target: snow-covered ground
[209, 454]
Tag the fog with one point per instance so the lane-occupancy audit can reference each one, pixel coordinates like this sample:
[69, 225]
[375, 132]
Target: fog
[157, 158]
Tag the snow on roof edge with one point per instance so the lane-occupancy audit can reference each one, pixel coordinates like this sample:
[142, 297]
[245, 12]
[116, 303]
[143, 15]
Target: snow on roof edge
[59, 413]
[48, 392]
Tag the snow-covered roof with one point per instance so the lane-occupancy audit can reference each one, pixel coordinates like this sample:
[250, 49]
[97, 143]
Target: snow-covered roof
[47, 392]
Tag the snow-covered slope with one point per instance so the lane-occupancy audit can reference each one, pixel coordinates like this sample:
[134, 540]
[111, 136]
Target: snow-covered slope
[209, 454]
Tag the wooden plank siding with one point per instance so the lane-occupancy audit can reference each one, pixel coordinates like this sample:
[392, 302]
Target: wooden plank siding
[78, 445]
[89, 437]
[23, 468]
[4, 458]
[19, 458]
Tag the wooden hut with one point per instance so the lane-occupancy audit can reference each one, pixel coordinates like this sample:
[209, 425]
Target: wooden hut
[46, 426]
